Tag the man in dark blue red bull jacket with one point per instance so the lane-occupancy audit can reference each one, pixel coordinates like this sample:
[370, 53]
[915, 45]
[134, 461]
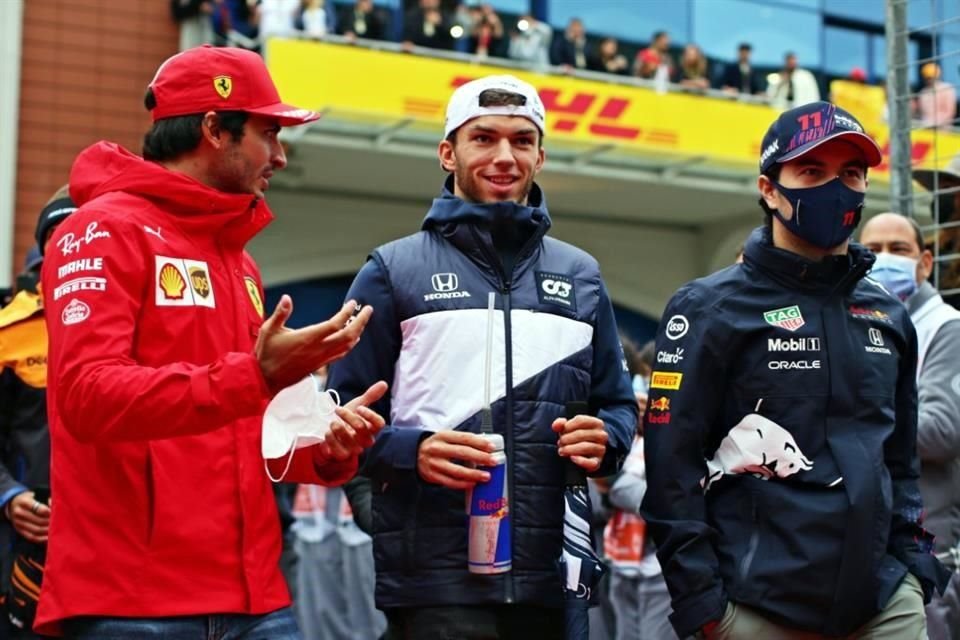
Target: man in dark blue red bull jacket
[781, 439]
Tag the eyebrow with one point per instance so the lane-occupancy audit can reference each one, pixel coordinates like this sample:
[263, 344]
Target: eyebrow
[521, 132]
[807, 162]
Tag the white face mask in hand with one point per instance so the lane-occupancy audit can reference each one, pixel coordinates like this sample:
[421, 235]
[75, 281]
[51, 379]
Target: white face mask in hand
[299, 416]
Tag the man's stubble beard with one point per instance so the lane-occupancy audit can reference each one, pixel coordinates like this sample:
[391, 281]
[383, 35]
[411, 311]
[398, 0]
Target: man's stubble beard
[472, 190]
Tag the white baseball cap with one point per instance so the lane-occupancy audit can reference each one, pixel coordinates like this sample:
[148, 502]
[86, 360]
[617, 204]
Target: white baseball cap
[465, 105]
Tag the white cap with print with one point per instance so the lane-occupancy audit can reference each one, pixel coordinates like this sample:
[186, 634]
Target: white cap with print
[465, 104]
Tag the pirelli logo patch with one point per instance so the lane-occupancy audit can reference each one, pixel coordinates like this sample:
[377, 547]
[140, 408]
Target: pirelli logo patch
[666, 380]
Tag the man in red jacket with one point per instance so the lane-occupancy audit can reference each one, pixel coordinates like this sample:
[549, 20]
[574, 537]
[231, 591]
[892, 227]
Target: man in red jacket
[161, 365]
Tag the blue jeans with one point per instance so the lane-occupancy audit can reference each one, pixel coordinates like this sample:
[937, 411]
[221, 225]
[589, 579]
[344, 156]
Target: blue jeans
[279, 625]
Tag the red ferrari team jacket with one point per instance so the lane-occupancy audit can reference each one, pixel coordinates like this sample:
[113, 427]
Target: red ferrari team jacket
[161, 506]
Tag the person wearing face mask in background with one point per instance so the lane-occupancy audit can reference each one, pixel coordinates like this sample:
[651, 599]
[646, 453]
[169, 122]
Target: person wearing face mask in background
[903, 266]
[781, 441]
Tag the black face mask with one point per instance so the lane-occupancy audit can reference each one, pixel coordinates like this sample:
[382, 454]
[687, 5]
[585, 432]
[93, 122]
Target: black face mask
[947, 207]
[825, 215]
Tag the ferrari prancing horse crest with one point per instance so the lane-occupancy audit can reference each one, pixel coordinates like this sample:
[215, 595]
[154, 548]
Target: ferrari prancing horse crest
[223, 86]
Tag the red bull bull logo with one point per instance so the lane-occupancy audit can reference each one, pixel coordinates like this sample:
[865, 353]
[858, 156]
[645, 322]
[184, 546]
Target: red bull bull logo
[658, 411]
[660, 404]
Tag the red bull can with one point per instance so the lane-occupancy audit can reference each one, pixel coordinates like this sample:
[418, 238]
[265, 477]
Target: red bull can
[488, 507]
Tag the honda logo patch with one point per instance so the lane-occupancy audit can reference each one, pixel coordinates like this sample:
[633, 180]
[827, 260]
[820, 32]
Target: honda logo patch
[446, 286]
[555, 288]
[445, 282]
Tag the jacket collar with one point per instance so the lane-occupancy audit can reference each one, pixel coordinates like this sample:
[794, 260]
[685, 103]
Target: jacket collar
[840, 272]
[924, 293]
[448, 208]
[466, 225]
[196, 208]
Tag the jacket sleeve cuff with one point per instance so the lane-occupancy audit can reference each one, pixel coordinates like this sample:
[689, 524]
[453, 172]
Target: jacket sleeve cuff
[10, 494]
[613, 458]
[691, 613]
[931, 573]
[394, 454]
[333, 473]
[406, 445]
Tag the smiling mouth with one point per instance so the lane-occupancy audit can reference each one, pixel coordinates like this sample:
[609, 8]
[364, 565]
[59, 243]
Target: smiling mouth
[501, 181]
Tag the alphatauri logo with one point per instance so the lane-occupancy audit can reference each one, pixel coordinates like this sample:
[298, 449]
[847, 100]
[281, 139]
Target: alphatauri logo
[445, 286]
[556, 288]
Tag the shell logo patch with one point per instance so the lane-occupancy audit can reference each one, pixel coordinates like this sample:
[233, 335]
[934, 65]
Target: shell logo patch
[171, 282]
[254, 291]
[223, 86]
[181, 282]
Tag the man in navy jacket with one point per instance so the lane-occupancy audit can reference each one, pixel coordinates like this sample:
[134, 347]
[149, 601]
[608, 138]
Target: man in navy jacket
[781, 435]
[555, 342]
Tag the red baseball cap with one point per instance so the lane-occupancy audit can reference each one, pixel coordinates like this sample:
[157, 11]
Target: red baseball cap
[209, 78]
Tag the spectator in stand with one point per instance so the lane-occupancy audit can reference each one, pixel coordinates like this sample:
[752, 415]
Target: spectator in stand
[235, 23]
[936, 103]
[570, 51]
[608, 58]
[741, 77]
[361, 21]
[648, 64]
[427, 25]
[794, 86]
[278, 18]
[317, 18]
[660, 45]
[531, 42]
[193, 16]
[485, 32]
[693, 68]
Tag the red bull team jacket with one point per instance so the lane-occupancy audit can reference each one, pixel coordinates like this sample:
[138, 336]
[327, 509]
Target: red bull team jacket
[781, 444]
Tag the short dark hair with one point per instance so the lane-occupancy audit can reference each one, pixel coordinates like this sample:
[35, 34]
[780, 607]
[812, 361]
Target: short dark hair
[498, 98]
[773, 173]
[170, 138]
[657, 35]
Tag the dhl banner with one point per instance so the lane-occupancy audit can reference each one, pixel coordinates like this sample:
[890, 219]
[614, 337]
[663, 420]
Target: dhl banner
[321, 75]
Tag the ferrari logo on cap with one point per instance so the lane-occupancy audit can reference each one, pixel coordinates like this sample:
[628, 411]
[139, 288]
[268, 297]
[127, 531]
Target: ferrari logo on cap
[223, 86]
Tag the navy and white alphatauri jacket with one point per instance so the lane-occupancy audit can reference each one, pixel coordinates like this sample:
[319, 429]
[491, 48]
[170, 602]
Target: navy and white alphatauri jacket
[781, 444]
[555, 341]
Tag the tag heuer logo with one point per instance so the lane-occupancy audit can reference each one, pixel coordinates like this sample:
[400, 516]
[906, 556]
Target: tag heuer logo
[788, 318]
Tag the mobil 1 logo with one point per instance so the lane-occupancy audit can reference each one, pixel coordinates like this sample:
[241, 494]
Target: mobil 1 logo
[555, 288]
